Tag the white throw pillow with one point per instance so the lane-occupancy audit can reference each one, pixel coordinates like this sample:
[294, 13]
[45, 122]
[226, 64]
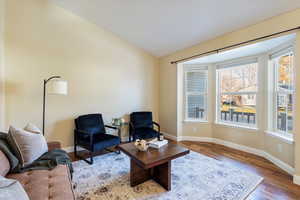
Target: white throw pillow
[32, 128]
[29, 146]
[12, 190]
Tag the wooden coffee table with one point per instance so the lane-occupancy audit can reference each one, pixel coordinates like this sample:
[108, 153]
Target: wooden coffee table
[153, 164]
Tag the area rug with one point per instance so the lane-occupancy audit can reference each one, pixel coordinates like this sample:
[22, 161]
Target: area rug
[194, 177]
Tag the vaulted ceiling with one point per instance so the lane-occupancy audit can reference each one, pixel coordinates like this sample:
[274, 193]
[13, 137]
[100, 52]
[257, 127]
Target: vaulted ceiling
[165, 26]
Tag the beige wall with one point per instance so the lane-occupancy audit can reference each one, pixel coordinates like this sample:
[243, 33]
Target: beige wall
[104, 73]
[2, 111]
[252, 138]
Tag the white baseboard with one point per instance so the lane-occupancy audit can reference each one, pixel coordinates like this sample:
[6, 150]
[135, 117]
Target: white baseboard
[171, 137]
[239, 147]
[279, 163]
[197, 139]
[284, 166]
[296, 179]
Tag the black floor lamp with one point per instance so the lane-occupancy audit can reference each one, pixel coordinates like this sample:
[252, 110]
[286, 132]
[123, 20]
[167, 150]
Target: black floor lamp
[55, 87]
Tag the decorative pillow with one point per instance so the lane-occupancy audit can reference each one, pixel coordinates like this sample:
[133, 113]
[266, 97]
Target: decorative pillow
[32, 128]
[28, 146]
[12, 190]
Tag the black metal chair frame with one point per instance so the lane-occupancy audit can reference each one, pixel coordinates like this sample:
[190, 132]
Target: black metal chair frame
[132, 130]
[91, 147]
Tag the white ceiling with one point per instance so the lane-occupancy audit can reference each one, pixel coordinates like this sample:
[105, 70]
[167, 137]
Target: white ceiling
[165, 26]
[249, 50]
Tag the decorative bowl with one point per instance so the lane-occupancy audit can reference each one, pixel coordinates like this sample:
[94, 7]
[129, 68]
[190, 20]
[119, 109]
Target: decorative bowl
[142, 148]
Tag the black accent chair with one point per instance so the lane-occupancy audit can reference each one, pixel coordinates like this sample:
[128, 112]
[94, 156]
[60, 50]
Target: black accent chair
[141, 126]
[90, 134]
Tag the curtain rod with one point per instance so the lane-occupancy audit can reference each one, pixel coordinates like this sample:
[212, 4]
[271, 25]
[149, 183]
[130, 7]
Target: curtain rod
[235, 45]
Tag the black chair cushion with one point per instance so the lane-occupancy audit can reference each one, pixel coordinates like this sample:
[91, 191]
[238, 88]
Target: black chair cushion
[145, 133]
[105, 140]
[141, 120]
[92, 123]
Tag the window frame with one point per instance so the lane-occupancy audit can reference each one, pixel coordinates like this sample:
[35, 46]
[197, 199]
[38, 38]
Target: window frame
[198, 68]
[273, 80]
[235, 64]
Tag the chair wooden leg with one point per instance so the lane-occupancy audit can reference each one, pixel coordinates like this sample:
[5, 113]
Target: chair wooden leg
[109, 150]
[91, 161]
[75, 150]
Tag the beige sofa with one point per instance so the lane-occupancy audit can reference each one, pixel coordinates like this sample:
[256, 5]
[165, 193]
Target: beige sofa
[52, 184]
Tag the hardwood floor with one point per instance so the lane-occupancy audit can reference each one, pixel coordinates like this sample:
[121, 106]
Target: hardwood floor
[277, 184]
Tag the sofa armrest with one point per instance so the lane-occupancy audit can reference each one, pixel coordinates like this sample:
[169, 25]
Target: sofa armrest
[54, 145]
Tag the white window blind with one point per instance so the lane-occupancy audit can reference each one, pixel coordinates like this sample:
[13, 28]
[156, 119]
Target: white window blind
[196, 94]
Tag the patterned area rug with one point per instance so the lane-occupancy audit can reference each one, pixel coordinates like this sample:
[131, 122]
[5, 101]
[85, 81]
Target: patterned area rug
[194, 177]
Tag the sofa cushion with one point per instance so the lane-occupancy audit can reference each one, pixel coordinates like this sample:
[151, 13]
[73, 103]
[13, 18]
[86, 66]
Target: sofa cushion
[46, 185]
[11, 189]
[28, 146]
[105, 140]
[4, 164]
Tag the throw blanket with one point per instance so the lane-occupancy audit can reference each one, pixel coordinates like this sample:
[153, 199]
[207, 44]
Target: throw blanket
[47, 161]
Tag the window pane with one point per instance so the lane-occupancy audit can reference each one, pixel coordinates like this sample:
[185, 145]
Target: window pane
[281, 112]
[196, 81]
[284, 92]
[196, 106]
[285, 112]
[250, 78]
[240, 109]
[290, 113]
[238, 106]
[225, 80]
[239, 79]
[285, 73]
[225, 106]
[244, 108]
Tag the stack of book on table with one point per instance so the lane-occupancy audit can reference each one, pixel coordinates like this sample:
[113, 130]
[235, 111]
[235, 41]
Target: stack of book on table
[157, 144]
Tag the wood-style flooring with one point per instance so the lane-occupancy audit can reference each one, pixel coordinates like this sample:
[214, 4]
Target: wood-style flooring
[277, 184]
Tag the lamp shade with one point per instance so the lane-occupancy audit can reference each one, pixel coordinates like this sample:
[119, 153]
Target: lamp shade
[58, 87]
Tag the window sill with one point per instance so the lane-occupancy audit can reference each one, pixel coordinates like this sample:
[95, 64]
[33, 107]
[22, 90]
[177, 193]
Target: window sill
[280, 136]
[195, 121]
[236, 126]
